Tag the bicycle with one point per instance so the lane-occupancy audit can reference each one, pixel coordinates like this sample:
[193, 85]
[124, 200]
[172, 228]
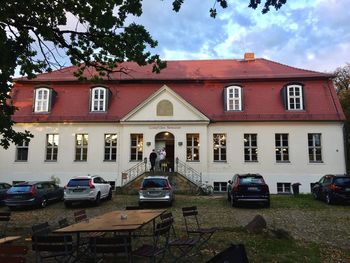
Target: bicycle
[205, 189]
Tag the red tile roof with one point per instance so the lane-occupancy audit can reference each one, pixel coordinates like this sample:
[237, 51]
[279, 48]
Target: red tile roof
[200, 83]
[194, 70]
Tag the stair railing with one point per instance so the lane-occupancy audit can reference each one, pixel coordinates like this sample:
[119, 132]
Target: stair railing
[188, 172]
[134, 172]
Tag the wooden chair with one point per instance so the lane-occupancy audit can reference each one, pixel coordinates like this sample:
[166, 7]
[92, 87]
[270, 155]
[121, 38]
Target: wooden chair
[118, 246]
[41, 229]
[63, 222]
[13, 254]
[159, 245]
[5, 219]
[58, 247]
[184, 244]
[193, 228]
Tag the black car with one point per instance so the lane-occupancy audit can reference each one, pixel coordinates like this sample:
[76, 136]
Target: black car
[332, 188]
[38, 193]
[248, 188]
[3, 189]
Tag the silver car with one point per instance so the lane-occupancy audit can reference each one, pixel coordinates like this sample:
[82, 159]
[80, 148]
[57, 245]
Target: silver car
[156, 189]
[87, 188]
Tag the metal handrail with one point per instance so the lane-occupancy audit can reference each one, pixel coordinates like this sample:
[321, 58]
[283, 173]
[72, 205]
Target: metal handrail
[188, 172]
[134, 172]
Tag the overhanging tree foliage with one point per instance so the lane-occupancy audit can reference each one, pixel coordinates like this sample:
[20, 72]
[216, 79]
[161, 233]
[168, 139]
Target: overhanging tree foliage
[35, 33]
[342, 84]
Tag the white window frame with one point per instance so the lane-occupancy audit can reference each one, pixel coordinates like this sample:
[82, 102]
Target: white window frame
[219, 144]
[292, 98]
[284, 187]
[252, 149]
[109, 147]
[98, 104]
[52, 147]
[80, 148]
[137, 148]
[280, 148]
[313, 148]
[220, 187]
[24, 146]
[191, 148]
[234, 98]
[42, 99]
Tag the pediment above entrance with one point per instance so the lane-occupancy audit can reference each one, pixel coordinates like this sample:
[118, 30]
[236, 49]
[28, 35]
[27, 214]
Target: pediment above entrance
[165, 105]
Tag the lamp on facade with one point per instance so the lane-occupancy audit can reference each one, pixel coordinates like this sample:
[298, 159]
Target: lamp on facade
[179, 143]
[148, 143]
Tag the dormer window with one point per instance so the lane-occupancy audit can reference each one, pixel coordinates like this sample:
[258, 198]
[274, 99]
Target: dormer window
[99, 99]
[293, 96]
[43, 99]
[233, 98]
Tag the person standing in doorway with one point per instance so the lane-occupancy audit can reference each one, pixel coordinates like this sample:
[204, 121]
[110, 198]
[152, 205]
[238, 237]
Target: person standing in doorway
[162, 160]
[152, 159]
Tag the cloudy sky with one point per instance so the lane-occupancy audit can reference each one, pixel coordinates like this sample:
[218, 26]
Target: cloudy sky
[312, 34]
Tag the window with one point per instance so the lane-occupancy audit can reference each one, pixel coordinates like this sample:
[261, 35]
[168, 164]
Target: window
[136, 148]
[284, 188]
[220, 186]
[51, 147]
[43, 99]
[219, 144]
[99, 99]
[165, 108]
[293, 97]
[110, 147]
[81, 147]
[250, 148]
[233, 98]
[192, 148]
[22, 151]
[281, 147]
[315, 150]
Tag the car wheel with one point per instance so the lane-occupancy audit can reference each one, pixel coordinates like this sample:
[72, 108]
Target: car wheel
[43, 203]
[67, 204]
[315, 195]
[233, 202]
[98, 199]
[329, 199]
[267, 205]
[109, 197]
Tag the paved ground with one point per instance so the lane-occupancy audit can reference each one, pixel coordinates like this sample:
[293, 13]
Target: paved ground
[328, 226]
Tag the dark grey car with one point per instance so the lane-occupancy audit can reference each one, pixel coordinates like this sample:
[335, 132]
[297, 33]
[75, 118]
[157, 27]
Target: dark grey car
[3, 189]
[37, 193]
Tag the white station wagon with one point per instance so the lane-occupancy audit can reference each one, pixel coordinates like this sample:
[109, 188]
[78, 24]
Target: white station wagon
[87, 188]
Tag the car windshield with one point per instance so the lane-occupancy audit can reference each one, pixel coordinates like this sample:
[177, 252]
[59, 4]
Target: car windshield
[342, 181]
[78, 182]
[20, 188]
[251, 180]
[154, 183]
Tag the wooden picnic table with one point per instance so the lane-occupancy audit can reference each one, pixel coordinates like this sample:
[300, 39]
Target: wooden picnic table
[9, 239]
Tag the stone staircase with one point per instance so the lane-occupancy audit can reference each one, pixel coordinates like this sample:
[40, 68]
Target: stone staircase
[181, 184]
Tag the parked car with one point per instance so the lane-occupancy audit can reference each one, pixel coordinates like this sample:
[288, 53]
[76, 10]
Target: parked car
[332, 188]
[248, 188]
[87, 189]
[3, 189]
[36, 193]
[156, 189]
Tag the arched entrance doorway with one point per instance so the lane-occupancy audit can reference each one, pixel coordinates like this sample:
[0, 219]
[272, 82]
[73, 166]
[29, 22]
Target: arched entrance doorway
[166, 140]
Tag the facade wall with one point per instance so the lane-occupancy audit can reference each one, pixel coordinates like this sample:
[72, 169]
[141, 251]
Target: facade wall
[299, 169]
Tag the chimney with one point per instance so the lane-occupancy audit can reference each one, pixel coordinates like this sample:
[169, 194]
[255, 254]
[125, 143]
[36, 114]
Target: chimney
[249, 56]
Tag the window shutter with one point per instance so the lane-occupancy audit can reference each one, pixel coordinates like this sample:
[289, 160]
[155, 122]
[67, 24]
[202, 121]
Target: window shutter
[303, 97]
[52, 98]
[284, 91]
[108, 98]
[90, 100]
[34, 96]
[225, 99]
[242, 99]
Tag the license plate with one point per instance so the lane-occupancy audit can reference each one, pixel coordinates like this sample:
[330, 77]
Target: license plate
[347, 189]
[155, 193]
[78, 190]
[253, 189]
